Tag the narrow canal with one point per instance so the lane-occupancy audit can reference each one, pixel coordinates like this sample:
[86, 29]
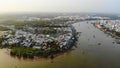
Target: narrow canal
[94, 50]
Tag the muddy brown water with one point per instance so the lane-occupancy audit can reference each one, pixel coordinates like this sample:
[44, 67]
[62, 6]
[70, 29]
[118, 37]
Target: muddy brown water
[88, 53]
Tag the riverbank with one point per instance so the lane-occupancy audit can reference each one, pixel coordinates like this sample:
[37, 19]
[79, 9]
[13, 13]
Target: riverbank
[87, 54]
[47, 49]
[106, 30]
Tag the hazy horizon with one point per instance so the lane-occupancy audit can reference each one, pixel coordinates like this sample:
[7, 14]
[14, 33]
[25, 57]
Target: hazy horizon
[97, 6]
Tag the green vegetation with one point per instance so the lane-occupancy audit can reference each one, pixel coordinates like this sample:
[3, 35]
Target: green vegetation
[49, 31]
[40, 23]
[17, 24]
[3, 28]
[117, 34]
[13, 32]
[26, 52]
[29, 52]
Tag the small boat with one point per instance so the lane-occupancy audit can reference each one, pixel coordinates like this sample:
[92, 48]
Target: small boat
[93, 36]
[117, 41]
[99, 43]
[113, 42]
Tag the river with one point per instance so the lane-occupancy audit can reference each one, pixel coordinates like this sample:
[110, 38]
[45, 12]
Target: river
[94, 50]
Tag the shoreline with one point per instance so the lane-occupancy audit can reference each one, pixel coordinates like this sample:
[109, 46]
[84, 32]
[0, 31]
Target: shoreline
[6, 52]
[107, 31]
[51, 56]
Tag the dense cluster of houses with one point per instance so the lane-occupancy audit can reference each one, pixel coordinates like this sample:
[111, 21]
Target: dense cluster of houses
[111, 27]
[39, 41]
[111, 24]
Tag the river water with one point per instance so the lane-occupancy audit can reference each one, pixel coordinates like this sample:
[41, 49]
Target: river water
[94, 50]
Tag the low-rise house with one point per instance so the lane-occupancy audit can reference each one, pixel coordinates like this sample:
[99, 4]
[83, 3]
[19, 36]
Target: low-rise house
[37, 47]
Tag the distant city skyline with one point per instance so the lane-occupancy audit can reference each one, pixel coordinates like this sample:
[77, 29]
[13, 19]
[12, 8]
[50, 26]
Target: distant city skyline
[97, 6]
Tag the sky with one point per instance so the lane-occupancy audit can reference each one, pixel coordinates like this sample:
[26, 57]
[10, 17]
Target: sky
[102, 6]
